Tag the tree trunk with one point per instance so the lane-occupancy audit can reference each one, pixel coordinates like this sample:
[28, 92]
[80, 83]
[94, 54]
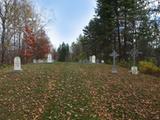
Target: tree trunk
[119, 39]
[125, 35]
[19, 43]
[118, 33]
[3, 40]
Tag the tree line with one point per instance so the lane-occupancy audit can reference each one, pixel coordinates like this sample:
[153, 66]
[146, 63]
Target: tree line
[116, 24]
[21, 32]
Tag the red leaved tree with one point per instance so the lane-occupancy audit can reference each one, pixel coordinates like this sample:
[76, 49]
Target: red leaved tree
[29, 43]
[43, 46]
[36, 46]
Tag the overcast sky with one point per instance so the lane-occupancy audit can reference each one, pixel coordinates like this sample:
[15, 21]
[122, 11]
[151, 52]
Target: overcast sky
[65, 18]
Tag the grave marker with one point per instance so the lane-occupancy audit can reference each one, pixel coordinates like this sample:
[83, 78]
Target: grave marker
[34, 61]
[93, 59]
[114, 55]
[17, 64]
[134, 53]
[40, 61]
[102, 61]
[49, 59]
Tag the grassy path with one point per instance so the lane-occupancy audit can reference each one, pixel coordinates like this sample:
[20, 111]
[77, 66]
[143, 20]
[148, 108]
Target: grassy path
[66, 91]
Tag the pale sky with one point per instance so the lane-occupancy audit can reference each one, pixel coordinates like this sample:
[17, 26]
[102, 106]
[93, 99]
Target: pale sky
[65, 18]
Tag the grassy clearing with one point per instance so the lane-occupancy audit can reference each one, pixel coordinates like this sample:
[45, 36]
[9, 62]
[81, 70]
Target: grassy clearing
[66, 91]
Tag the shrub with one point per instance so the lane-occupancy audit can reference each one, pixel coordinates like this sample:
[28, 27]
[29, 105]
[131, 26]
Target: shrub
[148, 67]
[151, 59]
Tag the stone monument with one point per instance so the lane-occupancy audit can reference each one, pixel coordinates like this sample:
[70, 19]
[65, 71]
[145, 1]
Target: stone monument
[114, 55]
[34, 61]
[102, 61]
[134, 53]
[49, 59]
[17, 64]
[93, 59]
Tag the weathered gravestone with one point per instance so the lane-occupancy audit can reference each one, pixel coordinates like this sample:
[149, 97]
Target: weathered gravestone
[49, 59]
[34, 61]
[40, 61]
[17, 64]
[134, 53]
[93, 59]
[102, 61]
[114, 55]
[134, 70]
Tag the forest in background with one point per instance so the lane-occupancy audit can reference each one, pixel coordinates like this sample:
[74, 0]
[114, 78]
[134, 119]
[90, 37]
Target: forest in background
[116, 24]
[21, 32]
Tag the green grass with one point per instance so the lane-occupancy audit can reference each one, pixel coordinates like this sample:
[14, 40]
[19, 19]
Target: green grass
[68, 91]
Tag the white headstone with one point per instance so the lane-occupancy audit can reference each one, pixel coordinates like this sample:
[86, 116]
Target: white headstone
[49, 59]
[134, 70]
[34, 61]
[102, 61]
[93, 59]
[17, 63]
[40, 61]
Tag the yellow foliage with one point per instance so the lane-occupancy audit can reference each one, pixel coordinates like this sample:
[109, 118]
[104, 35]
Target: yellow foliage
[148, 67]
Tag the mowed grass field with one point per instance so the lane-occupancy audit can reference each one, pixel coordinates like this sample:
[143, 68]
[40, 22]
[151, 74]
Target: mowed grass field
[69, 91]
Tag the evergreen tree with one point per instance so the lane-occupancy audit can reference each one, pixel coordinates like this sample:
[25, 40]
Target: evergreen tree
[63, 52]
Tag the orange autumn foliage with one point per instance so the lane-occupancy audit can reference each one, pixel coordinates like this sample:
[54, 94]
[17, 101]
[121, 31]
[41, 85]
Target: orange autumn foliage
[29, 37]
[42, 46]
[36, 46]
